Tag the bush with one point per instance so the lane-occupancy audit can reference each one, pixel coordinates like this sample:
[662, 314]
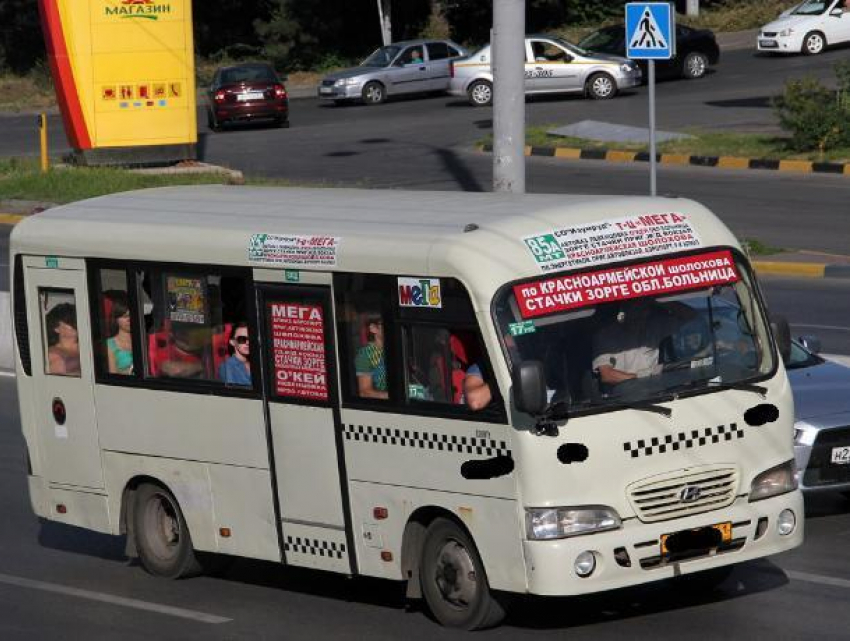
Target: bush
[818, 118]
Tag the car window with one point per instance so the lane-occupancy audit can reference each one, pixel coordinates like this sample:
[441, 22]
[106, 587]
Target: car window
[602, 40]
[454, 52]
[548, 52]
[247, 74]
[412, 55]
[381, 57]
[438, 51]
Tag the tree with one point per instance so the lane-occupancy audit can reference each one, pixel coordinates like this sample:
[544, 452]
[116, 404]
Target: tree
[20, 49]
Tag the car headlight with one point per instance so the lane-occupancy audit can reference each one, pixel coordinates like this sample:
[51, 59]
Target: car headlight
[560, 522]
[804, 434]
[785, 33]
[627, 68]
[773, 482]
[345, 81]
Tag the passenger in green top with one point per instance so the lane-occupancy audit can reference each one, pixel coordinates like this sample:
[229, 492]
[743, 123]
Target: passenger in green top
[119, 347]
[370, 364]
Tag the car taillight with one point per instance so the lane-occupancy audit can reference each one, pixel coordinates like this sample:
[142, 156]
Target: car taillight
[219, 96]
[279, 91]
[451, 68]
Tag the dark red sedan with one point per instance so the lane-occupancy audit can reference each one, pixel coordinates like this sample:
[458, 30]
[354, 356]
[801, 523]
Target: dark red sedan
[245, 93]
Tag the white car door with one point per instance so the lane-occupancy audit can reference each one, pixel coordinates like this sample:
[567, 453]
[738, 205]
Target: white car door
[841, 24]
[549, 68]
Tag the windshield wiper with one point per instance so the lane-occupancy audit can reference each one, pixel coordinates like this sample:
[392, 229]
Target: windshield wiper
[646, 406]
[718, 384]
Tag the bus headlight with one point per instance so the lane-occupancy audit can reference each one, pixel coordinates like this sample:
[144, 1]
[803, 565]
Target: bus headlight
[559, 522]
[773, 482]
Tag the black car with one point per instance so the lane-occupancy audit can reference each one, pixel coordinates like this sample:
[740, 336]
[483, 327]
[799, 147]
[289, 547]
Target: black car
[247, 92]
[696, 50]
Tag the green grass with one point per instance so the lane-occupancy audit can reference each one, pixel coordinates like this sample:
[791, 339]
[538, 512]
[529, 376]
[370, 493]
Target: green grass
[702, 144]
[755, 247]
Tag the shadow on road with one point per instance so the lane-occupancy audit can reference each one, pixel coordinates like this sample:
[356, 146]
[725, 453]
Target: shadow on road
[758, 102]
[67, 538]
[826, 504]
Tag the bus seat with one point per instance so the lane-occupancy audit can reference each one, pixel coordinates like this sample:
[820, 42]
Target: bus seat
[159, 350]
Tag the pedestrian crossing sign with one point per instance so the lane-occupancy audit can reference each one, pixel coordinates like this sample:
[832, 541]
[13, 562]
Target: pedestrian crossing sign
[650, 31]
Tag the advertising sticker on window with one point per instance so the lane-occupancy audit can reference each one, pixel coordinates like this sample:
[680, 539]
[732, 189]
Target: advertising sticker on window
[298, 347]
[612, 240]
[187, 300]
[647, 279]
[293, 250]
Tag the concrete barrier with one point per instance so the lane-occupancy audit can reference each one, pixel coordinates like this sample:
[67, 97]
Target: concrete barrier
[7, 357]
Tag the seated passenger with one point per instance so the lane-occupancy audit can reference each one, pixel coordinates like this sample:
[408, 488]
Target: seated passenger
[186, 357]
[370, 364]
[63, 352]
[119, 348]
[236, 369]
[628, 348]
[476, 391]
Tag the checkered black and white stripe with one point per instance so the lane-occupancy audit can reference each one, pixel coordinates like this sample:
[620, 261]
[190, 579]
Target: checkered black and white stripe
[426, 440]
[683, 440]
[314, 547]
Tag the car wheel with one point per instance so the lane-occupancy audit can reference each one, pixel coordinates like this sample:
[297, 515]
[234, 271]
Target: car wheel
[695, 65]
[814, 43]
[601, 86]
[283, 123]
[374, 93]
[453, 580]
[212, 123]
[480, 93]
[161, 534]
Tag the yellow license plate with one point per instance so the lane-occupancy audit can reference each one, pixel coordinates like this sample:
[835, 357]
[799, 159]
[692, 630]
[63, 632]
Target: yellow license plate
[725, 530]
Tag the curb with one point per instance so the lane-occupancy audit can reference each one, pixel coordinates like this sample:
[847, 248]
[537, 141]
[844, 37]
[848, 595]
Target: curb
[11, 219]
[721, 162]
[805, 270]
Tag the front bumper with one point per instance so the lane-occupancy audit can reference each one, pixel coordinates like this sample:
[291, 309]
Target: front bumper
[630, 79]
[343, 92]
[816, 474]
[779, 44]
[549, 564]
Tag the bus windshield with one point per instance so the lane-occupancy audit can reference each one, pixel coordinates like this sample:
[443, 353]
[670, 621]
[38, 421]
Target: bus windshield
[644, 332]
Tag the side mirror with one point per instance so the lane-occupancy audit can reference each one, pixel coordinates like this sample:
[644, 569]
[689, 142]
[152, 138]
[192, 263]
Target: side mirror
[836, 13]
[811, 343]
[529, 383]
[782, 335]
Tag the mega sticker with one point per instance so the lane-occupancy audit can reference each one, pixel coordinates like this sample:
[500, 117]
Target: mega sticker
[573, 291]
[612, 240]
[419, 292]
[293, 250]
[298, 348]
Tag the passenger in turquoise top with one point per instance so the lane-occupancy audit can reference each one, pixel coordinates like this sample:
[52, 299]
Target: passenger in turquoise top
[119, 347]
[370, 365]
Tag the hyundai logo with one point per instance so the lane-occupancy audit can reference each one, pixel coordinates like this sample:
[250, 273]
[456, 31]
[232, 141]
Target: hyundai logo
[690, 493]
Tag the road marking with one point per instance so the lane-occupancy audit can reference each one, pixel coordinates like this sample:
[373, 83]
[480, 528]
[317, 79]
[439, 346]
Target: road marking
[111, 599]
[838, 328]
[818, 578]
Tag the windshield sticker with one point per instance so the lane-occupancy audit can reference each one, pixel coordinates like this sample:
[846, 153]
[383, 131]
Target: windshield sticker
[187, 300]
[612, 240]
[419, 292]
[649, 279]
[293, 250]
[522, 328]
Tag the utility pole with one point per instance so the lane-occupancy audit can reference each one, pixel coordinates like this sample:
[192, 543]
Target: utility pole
[386, 22]
[508, 63]
[692, 7]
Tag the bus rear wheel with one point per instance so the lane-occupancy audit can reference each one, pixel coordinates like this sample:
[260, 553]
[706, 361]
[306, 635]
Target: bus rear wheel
[162, 536]
[453, 580]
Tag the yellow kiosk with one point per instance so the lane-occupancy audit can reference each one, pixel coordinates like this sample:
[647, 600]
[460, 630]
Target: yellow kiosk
[125, 77]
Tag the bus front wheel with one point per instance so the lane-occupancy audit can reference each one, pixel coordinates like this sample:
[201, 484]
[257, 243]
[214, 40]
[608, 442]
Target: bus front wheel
[453, 580]
[162, 536]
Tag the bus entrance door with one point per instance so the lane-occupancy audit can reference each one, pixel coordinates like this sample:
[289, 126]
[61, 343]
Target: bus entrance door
[62, 372]
[304, 428]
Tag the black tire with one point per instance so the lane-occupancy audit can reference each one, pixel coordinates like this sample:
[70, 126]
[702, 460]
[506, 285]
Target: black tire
[283, 123]
[601, 86]
[374, 93]
[480, 93]
[453, 580]
[212, 123]
[162, 536]
[814, 43]
[695, 65]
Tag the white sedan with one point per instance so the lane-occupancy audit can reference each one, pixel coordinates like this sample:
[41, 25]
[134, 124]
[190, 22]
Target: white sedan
[807, 28]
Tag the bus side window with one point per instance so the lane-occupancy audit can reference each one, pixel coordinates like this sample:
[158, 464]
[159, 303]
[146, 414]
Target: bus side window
[363, 325]
[113, 340]
[58, 309]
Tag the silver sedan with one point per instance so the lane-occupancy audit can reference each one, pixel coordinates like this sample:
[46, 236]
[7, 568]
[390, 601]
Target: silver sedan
[412, 66]
[552, 65]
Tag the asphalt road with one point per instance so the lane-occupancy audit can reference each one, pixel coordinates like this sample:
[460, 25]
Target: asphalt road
[58, 582]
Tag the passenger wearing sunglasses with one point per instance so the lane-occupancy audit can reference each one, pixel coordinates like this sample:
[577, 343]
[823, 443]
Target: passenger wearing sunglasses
[236, 369]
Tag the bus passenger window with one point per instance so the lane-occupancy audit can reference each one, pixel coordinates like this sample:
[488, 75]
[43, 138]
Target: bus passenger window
[370, 363]
[190, 319]
[59, 324]
[114, 339]
[445, 365]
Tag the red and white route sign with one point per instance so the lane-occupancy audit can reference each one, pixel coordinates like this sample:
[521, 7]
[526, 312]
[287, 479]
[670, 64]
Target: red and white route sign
[298, 347]
[563, 293]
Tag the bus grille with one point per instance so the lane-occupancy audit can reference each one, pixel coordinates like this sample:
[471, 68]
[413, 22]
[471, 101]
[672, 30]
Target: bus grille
[683, 493]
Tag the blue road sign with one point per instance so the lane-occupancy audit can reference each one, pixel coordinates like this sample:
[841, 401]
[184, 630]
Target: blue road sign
[650, 31]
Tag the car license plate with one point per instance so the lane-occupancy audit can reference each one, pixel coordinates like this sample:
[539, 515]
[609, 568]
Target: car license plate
[725, 530]
[250, 95]
[841, 455]
[768, 44]
[326, 90]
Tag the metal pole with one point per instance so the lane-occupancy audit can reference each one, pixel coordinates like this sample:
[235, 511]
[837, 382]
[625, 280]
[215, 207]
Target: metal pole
[692, 7]
[653, 191]
[508, 60]
[42, 126]
[386, 28]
